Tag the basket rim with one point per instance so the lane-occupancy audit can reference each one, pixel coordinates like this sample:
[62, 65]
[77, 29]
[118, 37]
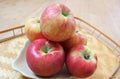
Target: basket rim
[97, 29]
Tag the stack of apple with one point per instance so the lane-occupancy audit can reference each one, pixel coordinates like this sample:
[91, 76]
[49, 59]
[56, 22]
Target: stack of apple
[55, 41]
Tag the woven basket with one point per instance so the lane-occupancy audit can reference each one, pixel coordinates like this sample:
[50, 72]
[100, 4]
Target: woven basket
[11, 44]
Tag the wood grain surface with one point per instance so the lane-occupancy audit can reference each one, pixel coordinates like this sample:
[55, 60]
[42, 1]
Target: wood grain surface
[104, 14]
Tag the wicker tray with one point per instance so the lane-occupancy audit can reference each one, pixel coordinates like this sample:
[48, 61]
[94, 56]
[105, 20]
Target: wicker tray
[11, 44]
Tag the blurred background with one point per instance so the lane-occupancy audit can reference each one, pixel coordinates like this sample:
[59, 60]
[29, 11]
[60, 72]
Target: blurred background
[104, 14]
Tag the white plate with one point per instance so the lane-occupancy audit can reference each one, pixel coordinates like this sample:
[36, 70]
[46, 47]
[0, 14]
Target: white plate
[20, 63]
[21, 66]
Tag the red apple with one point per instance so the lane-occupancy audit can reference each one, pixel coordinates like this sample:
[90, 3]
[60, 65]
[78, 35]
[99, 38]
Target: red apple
[45, 58]
[57, 22]
[32, 29]
[81, 61]
[77, 38]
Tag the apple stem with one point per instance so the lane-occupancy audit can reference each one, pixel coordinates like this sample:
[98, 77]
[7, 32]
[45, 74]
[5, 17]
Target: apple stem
[65, 13]
[86, 56]
[45, 48]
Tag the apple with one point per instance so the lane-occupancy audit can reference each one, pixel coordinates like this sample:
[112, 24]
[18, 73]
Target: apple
[45, 58]
[81, 61]
[57, 22]
[77, 38]
[32, 29]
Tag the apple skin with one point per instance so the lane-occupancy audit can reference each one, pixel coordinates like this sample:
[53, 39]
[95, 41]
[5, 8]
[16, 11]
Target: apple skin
[77, 38]
[81, 61]
[57, 22]
[45, 63]
[32, 29]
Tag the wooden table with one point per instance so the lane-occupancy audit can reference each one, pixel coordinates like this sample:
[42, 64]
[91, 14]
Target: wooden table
[104, 14]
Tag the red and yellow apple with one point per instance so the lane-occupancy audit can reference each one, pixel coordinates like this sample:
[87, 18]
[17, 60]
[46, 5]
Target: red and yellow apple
[81, 61]
[77, 38]
[45, 58]
[32, 29]
[57, 22]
